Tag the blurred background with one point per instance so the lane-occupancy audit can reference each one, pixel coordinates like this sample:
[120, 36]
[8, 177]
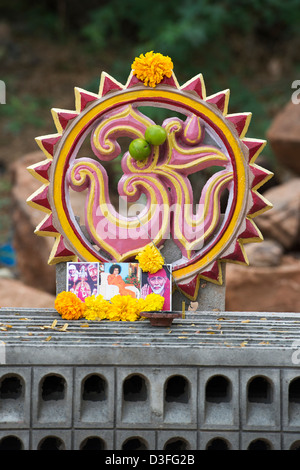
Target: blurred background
[251, 47]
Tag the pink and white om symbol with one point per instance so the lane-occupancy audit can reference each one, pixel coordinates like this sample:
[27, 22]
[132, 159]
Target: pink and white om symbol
[162, 180]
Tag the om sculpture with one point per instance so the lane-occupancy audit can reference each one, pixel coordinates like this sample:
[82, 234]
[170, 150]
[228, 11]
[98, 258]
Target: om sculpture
[202, 139]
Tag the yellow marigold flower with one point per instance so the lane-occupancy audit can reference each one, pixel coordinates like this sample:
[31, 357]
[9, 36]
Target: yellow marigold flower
[131, 316]
[153, 302]
[69, 306]
[150, 259]
[141, 305]
[96, 308]
[124, 308]
[113, 314]
[152, 67]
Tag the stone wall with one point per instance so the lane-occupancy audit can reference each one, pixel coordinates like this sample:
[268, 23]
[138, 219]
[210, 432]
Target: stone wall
[209, 381]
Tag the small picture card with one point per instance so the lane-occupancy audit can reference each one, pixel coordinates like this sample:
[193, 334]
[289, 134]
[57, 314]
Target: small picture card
[83, 279]
[158, 283]
[120, 279]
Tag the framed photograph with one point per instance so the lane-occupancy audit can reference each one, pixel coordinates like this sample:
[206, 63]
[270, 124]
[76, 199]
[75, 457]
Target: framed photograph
[83, 279]
[158, 283]
[120, 279]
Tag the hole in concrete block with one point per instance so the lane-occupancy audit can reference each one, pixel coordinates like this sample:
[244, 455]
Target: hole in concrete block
[53, 388]
[176, 443]
[51, 443]
[11, 443]
[177, 407]
[10, 388]
[135, 405]
[259, 408]
[218, 401]
[294, 402]
[53, 405]
[135, 443]
[218, 390]
[217, 443]
[94, 388]
[260, 391]
[135, 389]
[93, 443]
[259, 444]
[294, 391]
[177, 390]
[12, 391]
[295, 445]
[94, 394]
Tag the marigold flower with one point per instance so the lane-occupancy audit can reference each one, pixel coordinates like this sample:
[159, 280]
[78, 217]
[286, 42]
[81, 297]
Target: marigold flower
[153, 302]
[152, 67]
[114, 314]
[150, 259]
[96, 308]
[141, 305]
[69, 306]
[124, 307]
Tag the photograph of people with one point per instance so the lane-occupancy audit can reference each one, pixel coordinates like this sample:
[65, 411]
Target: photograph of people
[158, 283]
[72, 277]
[93, 272]
[82, 279]
[119, 279]
[114, 278]
[83, 288]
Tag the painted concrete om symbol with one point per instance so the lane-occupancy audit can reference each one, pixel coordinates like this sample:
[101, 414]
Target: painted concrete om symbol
[205, 138]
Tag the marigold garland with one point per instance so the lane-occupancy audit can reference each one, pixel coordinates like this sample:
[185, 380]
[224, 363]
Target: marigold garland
[150, 259]
[119, 308]
[152, 67]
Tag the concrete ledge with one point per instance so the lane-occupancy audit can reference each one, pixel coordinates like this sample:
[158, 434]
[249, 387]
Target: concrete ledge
[208, 339]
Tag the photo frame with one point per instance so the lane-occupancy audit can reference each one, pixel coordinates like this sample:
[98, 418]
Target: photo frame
[82, 279]
[120, 279]
[158, 283]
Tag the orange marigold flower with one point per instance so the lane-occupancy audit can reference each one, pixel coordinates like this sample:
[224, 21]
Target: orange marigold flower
[69, 306]
[152, 67]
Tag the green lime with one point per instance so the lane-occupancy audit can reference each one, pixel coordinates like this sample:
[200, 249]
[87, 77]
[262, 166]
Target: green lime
[139, 149]
[155, 135]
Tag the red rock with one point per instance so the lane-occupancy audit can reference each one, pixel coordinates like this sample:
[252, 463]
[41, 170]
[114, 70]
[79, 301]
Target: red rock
[284, 137]
[264, 289]
[13, 293]
[282, 222]
[267, 253]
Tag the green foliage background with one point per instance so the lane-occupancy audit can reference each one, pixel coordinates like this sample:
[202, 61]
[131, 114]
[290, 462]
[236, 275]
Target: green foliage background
[231, 42]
